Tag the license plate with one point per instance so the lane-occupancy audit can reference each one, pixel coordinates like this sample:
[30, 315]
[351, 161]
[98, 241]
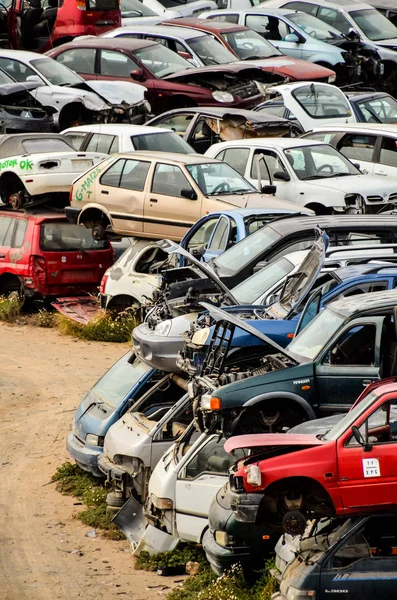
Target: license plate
[82, 165]
[79, 276]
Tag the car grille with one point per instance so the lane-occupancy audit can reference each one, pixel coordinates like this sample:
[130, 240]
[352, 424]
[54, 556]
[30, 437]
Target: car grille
[244, 89]
[393, 197]
[375, 199]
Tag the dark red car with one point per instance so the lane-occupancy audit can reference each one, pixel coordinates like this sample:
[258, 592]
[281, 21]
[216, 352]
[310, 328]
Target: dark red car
[33, 27]
[172, 81]
[348, 470]
[44, 256]
[238, 40]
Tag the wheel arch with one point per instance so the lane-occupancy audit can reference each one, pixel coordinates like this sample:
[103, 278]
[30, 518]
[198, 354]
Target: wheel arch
[289, 397]
[92, 210]
[301, 481]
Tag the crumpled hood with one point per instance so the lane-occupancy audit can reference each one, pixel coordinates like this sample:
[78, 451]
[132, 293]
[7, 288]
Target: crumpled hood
[359, 184]
[260, 440]
[125, 437]
[239, 71]
[293, 68]
[390, 43]
[119, 92]
[45, 94]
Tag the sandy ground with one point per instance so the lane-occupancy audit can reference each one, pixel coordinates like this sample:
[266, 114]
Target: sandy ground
[43, 377]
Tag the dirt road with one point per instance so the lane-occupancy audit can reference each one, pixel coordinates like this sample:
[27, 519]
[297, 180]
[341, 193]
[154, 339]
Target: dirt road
[43, 376]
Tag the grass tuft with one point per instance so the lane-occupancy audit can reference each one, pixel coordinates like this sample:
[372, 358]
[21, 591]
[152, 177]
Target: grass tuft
[174, 558]
[43, 318]
[105, 327]
[10, 308]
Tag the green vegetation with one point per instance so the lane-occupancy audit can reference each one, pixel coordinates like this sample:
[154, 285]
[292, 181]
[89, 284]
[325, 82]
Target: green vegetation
[10, 308]
[105, 327]
[174, 558]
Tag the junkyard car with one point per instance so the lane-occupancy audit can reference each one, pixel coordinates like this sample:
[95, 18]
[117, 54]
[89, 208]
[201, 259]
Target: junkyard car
[202, 127]
[171, 81]
[42, 256]
[301, 35]
[37, 168]
[308, 172]
[74, 100]
[240, 41]
[355, 559]
[374, 147]
[111, 138]
[201, 49]
[158, 194]
[387, 8]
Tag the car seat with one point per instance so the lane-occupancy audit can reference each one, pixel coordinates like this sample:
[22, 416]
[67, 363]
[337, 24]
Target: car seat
[30, 17]
[42, 31]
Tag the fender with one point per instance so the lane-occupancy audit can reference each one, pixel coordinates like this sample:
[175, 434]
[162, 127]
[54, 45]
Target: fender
[331, 58]
[95, 206]
[284, 395]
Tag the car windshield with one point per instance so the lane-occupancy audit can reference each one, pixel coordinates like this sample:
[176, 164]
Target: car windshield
[210, 50]
[161, 142]
[103, 5]
[375, 25]
[56, 72]
[216, 179]
[348, 420]
[161, 61]
[135, 8]
[57, 236]
[5, 79]
[120, 379]
[319, 162]
[249, 45]
[310, 341]
[379, 110]
[314, 27]
[259, 284]
[249, 249]
[322, 102]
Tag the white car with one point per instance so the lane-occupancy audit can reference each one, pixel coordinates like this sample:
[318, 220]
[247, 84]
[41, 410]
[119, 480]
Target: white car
[122, 137]
[373, 146]
[312, 174]
[187, 8]
[75, 101]
[35, 166]
[135, 12]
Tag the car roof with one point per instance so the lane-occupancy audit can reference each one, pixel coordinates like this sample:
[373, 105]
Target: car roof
[363, 95]
[362, 302]
[341, 222]
[208, 24]
[365, 127]
[341, 4]
[177, 32]
[185, 159]
[220, 113]
[11, 144]
[117, 42]
[354, 271]
[23, 55]
[274, 142]
[384, 4]
[117, 129]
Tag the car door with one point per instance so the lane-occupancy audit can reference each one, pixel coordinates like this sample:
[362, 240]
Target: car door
[114, 65]
[368, 470]
[222, 237]
[80, 60]
[121, 190]
[386, 163]
[202, 136]
[273, 169]
[180, 122]
[276, 30]
[360, 149]
[172, 205]
[7, 225]
[197, 238]
[198, 481]
[350, 361]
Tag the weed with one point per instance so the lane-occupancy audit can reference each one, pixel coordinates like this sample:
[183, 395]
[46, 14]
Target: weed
[174, 558]
[105, 327]
[96, 516]
[10, 308]
[43, 318]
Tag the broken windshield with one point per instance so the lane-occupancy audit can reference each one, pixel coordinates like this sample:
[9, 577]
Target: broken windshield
[312, 339]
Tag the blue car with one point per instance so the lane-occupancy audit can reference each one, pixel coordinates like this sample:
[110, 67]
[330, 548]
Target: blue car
[103, 405]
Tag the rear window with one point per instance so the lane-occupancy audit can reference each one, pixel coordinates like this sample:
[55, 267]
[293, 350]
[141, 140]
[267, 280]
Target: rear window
[46, 145]
[63, 237]
[102, 4]
[161, 142]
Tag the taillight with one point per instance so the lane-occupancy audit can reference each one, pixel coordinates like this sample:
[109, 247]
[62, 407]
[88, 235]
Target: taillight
[103, 284]
[38, 268]
[81, 4]
[70, 194]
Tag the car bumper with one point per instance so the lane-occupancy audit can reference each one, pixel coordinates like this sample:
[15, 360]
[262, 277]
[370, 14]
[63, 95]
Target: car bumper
[86, 458]
[19, 124]
[245, 507]
[49, 183]
[158, 352]
[113, 473]
[222, 559]
[72, 214]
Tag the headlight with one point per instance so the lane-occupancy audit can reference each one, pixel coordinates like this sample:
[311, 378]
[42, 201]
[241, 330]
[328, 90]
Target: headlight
[209, 402]
[147, 106]
[354, 200]
[201, 336]
[332, 79]
[296, 594]
[254, 475]
[224, 539]
[94, 440]
[162, 503]
[222, 96]
[163, 328]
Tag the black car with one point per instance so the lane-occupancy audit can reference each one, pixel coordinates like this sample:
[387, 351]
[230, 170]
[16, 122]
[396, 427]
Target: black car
[356, 560]
[201, 127]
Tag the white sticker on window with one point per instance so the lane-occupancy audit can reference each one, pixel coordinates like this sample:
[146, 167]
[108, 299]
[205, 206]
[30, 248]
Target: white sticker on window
[371, 467]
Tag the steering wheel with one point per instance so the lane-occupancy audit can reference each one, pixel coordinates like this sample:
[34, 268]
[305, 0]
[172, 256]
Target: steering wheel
[323, 167]
[248, 46]
[222, 187]
[341, 352]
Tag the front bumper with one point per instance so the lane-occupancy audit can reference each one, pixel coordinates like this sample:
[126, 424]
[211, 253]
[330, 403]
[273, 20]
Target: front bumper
[222, 559]
[85, 457]
[245, 507]
[113, 473]
[23, 125]
[157, 351]
[72, 214]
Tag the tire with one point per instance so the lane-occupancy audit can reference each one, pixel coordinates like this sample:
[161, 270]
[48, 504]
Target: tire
[98, 233]
[115, 500]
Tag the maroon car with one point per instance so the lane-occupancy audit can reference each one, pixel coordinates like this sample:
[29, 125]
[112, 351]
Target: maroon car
[171, 81]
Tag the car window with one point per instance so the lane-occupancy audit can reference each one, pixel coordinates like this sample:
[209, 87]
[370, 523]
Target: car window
[76, 139]
[64, 237]
[334, 18]
[20, 231]
[6, 229]
[324, 103]
[161, 61]
[204, 135]
[388, 152]
[236, 158]
[81, 60]
[274, 109]
[211, 458]
[116, 64]
[317, 161]
[101, 142]
[178, 123]
[227, 18]
[380, 427]
[210, 50]
[354, 548]
[203, 234]
[111, 177]
[273, 164]
[357, 147]
[133, 176]
[356, 346]
[161, 141]
[222, 235]
[271, 28]
[16, 69]
[379, 110]
[363, 288]
[169, 181]
[295, 247]
[321, 136]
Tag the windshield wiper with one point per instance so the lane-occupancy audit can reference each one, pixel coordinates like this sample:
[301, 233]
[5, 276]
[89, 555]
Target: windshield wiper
[254, 57]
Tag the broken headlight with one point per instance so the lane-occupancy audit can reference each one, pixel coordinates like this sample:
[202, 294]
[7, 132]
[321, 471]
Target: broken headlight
[94, 440]
[226, 540]
[163, 328]
[297, 594]
[201, 336]
[162, 503]
[222, 96]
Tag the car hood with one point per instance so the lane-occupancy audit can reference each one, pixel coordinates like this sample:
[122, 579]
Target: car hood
[219, 74]
[221, 315]
[390, 43]
[260, 440]
[257, 200]
[364, 184]
[297, 286]
[118, 92]
[291, 67]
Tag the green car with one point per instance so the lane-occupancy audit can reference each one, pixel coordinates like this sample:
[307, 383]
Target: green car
[350, 343]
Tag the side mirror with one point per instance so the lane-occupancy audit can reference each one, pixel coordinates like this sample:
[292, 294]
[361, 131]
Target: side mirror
[268, 189]
[357, 165]
[292, 38]
[35, 79]
[360, 440]
[198, 252]
[137, 74]
[189, 194]
[281, 176]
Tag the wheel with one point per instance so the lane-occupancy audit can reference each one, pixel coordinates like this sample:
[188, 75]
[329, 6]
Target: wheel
[16, 200]
[115, 500]
[294, 522]
[98, 233]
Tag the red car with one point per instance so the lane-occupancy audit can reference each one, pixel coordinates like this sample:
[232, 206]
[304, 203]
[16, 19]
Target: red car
[30, 27]
[43, 256]
[171, 81]
[348, 470]
[238, 40]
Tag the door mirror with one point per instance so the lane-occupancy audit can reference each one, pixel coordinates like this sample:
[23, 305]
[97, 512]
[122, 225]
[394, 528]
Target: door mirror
[357, 165]
[268, 189]
[198, 252]
[35, 79]
[281, 176]
[292, 38]
[360, 440]
[137, 74]
[189, 194]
